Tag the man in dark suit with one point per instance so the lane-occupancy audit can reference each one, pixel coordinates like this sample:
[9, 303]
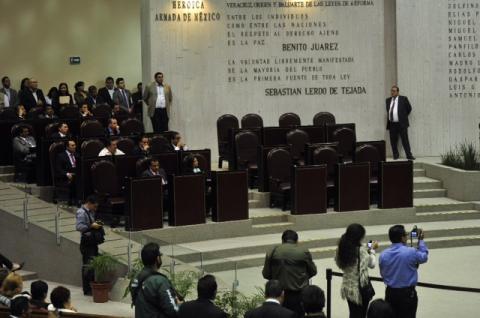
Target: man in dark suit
[92, 96]
[11, 94]
[62, 131]
[143, 147]
[203, 307]
[398, 109]
[113, 129]
[154, 170]
[105, 94]
[122, 96]
[32, 96]
[66, 170]
[272, 307]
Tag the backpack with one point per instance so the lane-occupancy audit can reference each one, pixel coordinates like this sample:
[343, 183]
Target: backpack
[136, 286]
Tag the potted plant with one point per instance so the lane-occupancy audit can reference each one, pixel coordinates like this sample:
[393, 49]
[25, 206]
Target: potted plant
[104, 266]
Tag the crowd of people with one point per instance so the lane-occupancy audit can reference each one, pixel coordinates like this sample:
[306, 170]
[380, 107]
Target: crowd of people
[288, 269]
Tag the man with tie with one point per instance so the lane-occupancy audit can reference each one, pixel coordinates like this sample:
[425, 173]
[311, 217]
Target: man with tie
[11, 95]
[122, 96]
[154, 170]
[158, 97]
[105, 94]
[32, 96]
[66, 170]
[398, 109]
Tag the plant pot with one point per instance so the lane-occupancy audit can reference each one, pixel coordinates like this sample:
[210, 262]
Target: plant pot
[100, 292]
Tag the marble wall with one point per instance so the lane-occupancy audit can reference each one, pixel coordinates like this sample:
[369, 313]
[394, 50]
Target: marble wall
[271, 57]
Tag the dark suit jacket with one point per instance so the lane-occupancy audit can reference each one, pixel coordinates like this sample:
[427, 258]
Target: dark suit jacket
[103, 97]
[200, 308]
[140, 152]
[64, 166]
[56, 135]
[91, 101]
[27, 99]
[270, 310]
[148, 173]
[404, 109]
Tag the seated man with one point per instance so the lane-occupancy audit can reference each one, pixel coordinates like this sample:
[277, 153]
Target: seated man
[62, 131]
[143, 147]
[39, 292]
[113, 129]
[66, 170]
[111, 149]
[177, 143]
[24, 153]
[19, 307]
[154, 170]
[61, 301]
[85, 111]
[49, 113]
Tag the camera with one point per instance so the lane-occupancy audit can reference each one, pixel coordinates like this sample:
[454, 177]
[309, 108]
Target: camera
[416, 232]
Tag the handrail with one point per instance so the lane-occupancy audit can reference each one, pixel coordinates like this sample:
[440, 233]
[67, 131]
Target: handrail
[331, 273]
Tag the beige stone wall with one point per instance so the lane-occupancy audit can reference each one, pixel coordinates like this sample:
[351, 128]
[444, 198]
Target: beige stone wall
[37, 37]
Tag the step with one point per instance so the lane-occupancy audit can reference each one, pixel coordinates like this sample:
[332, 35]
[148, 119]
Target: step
[423, 183]
[6, 177]
[255, 204]
[270, 219]
[429, 193]
[27, 275]
[448, 216]
[7, 169]
[272, 225]
[418, 172]
[440, 204]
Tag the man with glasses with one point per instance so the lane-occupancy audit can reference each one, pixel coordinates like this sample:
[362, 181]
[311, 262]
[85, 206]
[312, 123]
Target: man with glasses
[399, 269]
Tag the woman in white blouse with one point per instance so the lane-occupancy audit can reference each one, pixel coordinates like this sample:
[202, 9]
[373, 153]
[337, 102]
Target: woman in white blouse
[354, 259]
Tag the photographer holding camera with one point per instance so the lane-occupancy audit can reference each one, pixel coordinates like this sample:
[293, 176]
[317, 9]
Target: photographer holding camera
[398, 267]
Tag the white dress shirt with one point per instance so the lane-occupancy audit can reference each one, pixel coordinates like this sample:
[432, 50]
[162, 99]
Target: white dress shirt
[394, 111]
[35, 96]
[6, 100]
[272, 300]
[111, 91]
[160, 103]
[105, 152]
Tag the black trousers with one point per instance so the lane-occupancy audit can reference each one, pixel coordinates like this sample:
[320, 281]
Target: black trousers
[160, 120]
[88, 252]
[358, 311]
[293, 301]
[5, 262]
[397, 130]
[404, 301]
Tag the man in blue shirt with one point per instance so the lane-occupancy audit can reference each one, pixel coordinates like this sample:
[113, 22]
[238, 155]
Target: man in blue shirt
[398, 267]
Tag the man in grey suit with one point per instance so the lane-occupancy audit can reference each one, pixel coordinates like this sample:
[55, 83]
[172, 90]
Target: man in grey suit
[11, 99]
[122, 96]
[154, 170]
[24, 154]
[158, 97]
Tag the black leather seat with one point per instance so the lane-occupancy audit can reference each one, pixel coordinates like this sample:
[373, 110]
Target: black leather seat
[91, 128]
[346, 143]
[91, 148]
[224, 124]
[297, 140]
[279, 176]
[158, 145]
[131, 126]
[252, 121]
[126, 145]
[327, 156]
[289, 120]
[246, 150]
[69, 112]
[323, 118]
[370, 154]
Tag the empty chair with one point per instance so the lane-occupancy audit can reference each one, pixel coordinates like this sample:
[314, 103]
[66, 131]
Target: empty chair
[92, 128]
[107, 187]
[159, 144]
[252, 121]
[279, 172]
[35, 113]
[69, 112]
[297, 139]
[102, 111]
[289, 120]
[224, 124]
[8, 114]
[126, 145]
[327, 156]
[131, 126]
[323, 118]
[346, 143]
[369, 153]
[91, 148]
[246, 150]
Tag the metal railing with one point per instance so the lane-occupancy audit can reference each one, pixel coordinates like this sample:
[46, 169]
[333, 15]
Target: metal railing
[331, 273]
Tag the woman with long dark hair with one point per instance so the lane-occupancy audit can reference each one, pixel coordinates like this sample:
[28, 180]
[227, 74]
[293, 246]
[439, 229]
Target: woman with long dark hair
[354, 259]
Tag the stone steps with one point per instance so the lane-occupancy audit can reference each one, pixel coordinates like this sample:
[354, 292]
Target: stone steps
[418, 172]
[27, 275]
[429, 193]
[424, 183]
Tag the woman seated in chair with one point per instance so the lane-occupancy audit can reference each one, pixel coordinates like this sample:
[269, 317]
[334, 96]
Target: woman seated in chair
[11, 286]
[190, 165]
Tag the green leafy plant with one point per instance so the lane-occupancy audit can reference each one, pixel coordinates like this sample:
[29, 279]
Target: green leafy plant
[236, 304]
[103, 265]
[463, 156]
[137, 267]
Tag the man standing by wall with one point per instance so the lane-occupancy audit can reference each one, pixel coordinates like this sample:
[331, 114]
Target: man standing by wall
[158, 97]
[293, 266]
[398, 267]
[398, 109]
